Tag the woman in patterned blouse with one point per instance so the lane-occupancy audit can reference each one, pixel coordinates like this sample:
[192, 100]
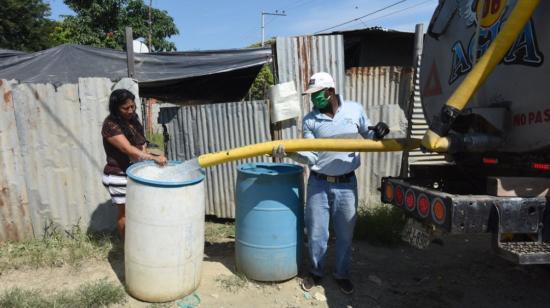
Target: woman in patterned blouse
[124, 143]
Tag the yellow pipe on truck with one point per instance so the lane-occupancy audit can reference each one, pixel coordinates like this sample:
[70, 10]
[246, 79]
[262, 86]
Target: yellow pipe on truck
[296, 145]
[515, 24]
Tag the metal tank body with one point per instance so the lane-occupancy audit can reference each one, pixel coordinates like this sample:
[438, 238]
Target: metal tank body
[269, 221]
[515, 97]
[164, 241]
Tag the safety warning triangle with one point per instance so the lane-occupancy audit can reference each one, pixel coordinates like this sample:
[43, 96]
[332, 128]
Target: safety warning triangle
[433, 84]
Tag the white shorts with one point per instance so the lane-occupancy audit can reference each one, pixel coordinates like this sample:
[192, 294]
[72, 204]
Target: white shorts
[116, 185]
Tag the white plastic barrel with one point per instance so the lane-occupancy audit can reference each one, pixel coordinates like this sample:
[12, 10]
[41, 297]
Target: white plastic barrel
[164, 239]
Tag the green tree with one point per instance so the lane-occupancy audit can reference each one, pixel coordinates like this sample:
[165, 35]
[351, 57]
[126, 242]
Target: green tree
[60, 34]
[24, 25]
[265, 79]
[261, 84]
[102, 23]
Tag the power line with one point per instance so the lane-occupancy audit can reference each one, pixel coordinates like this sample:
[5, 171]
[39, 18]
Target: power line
[250, 33]
[359, 18]
[272, 18]
[298, 4]
[401, 10]
[396, 12]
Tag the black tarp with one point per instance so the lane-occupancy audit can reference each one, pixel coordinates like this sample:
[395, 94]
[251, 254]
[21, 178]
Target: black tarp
[4, 53]
[203, 76]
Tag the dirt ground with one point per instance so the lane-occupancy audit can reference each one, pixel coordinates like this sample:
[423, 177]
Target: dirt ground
[463, 272]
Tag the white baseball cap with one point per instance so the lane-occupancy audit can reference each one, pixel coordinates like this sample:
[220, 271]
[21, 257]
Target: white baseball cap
[318, 82]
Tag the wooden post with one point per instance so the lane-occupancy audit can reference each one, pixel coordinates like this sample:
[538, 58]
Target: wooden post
[130, 51]
[275, 128]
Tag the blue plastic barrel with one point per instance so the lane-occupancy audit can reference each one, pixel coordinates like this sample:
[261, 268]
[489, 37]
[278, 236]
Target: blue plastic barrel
[269, 220]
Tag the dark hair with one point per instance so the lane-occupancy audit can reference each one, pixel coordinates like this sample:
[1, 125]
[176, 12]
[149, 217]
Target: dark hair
[118, 98]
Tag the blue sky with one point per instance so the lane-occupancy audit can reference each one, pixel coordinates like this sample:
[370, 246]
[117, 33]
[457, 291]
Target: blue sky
[221, 24]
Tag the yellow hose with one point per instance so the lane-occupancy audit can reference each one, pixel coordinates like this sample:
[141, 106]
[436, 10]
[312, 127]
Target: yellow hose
[295, 145]
[516, 22]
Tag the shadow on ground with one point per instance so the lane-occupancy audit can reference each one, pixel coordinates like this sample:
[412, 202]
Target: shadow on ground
[103, 223]
[222, 252]
[116, 258]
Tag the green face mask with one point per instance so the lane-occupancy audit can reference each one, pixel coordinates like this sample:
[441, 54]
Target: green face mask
[319, 100]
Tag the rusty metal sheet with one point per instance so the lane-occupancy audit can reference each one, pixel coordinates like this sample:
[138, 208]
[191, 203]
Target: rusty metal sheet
[15, 221]
[382, 85]
[49, 125]
[58, 136]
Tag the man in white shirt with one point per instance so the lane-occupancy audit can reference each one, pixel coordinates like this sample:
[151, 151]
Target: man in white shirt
[332, 186]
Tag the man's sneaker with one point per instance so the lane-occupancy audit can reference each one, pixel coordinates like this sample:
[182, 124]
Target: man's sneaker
[310, 281]
[345, 286]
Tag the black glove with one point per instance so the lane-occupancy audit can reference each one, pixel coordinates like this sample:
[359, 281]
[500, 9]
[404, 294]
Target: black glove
[380, 130]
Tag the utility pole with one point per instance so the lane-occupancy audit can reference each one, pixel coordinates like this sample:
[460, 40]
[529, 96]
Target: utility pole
[150, 27]
[130, 51]
[263, 24]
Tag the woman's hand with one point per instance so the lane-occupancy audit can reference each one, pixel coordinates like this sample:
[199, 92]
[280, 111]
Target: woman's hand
[161, 160]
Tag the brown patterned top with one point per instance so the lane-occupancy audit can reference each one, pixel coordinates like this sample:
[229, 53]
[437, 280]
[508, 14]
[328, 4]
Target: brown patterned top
[117, 161]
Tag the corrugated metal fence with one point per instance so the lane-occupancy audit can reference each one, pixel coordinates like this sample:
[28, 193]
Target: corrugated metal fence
[52, 156]
[15, 221]
[384, 93]
[200, 129]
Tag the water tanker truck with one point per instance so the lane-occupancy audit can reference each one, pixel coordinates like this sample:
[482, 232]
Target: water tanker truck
[484, 83]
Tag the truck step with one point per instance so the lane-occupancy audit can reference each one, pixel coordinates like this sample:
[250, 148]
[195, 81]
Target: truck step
[525, 252]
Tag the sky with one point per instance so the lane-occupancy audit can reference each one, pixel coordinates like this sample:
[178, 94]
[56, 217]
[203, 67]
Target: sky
[224, 24]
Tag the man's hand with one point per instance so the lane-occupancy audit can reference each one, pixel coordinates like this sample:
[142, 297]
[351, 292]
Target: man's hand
[278, 151]
[380, 130]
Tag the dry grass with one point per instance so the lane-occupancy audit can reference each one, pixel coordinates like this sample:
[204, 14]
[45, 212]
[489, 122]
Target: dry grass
[95, 294]
[232, 283]
[55, 249]
[379, 225]
[218, 230]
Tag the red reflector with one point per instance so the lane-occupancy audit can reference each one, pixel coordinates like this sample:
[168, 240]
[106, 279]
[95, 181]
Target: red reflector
[423, 205]
[409, 200]
[490, 161]
[399, 195]
[540, 166]
[438, 211]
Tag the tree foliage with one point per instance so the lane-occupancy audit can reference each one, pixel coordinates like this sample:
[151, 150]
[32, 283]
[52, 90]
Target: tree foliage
[24, 25]
[265, 79]
[261, 84]
[102, 23]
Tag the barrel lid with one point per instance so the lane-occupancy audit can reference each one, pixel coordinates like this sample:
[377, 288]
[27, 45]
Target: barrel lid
[149, 173]
[270, 168]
